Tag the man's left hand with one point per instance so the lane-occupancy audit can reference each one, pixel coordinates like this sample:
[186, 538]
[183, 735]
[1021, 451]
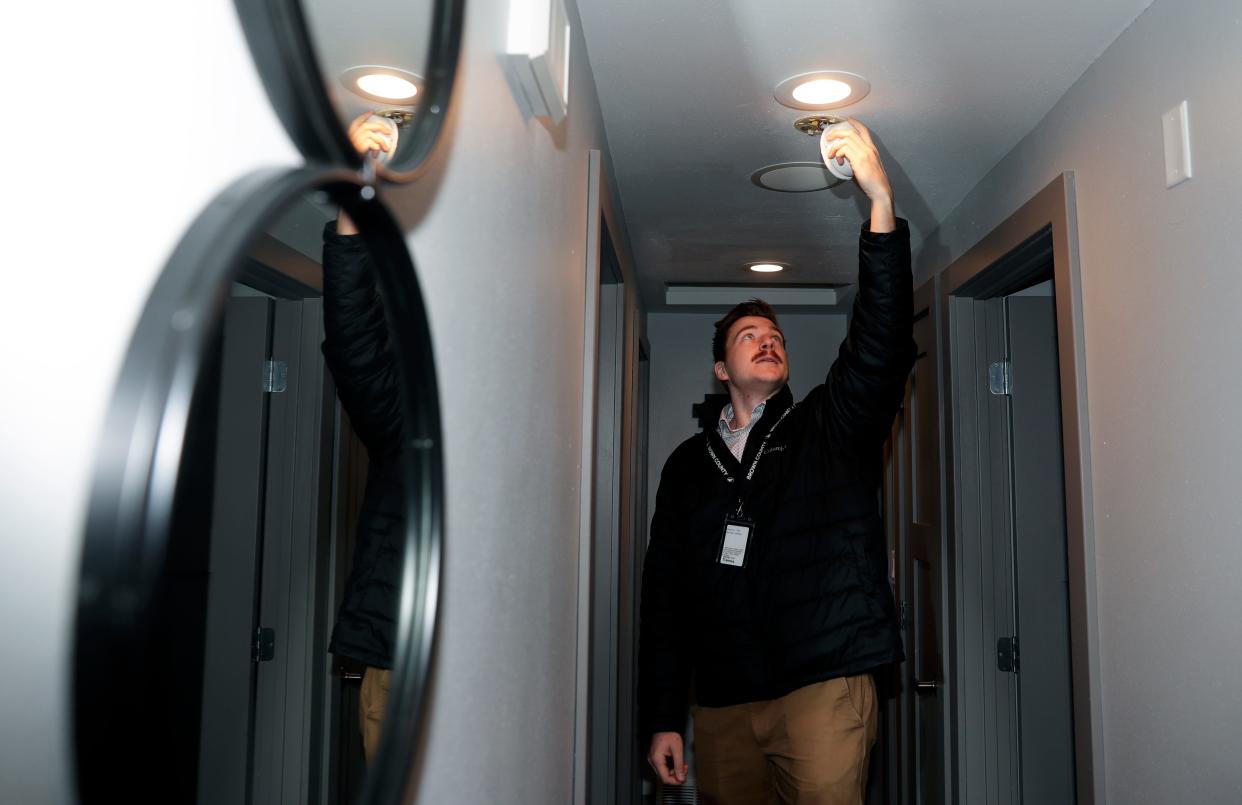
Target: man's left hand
[858, 147]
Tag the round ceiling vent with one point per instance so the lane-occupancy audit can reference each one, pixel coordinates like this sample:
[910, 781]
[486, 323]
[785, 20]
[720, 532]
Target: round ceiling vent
[794, 177]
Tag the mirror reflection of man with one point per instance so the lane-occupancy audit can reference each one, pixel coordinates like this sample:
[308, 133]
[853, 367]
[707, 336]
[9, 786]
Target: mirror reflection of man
[356, 350]
[766, 574]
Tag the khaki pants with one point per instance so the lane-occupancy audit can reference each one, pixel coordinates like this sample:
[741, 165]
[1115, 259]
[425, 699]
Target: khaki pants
[372, 702]
[809, 747]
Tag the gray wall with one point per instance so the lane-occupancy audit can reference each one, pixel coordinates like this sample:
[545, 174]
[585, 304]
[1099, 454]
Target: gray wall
[1161, 292]
[498, 230]
[499, 233]
[681, 372]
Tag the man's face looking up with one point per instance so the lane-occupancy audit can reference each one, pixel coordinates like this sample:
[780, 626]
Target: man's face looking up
[755, 358]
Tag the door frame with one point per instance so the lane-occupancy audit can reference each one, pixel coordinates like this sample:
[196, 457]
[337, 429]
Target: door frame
[1048, 220]
[606, 762]
[927, 304]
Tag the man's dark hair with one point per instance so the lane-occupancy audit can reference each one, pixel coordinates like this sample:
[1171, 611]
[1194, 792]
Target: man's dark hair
[752, 307]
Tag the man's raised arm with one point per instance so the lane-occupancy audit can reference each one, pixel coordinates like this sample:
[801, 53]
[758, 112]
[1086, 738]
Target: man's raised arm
[867, 381]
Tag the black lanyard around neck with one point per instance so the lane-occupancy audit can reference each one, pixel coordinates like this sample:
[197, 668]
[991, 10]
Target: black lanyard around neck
[754, 464]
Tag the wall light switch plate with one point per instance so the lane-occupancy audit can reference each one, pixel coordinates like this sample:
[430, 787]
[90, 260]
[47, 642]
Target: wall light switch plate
[1176, 145]
[538, 55]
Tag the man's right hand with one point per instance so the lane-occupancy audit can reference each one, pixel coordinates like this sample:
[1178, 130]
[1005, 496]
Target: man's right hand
[666, 748]
[370, 133]
[367, 134]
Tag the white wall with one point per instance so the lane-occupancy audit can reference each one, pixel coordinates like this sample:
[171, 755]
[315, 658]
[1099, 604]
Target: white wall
[99, 188]
[1162, 284]
[681, 372]
[498, 228]
[500, 240]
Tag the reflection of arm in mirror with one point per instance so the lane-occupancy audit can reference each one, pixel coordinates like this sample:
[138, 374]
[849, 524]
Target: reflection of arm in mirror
[359, 356]
[345, 224]
[356, 344]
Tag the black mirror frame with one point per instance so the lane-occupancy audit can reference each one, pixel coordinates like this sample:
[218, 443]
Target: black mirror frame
[284, 54]
[137, 467]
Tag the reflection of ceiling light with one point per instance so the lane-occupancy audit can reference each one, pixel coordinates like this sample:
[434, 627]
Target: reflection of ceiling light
[389, 87]
[384, 84]
[823, 89]
[766, 268]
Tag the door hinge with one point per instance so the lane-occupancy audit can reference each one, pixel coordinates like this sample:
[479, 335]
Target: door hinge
[263, 649]
[1000, 378]
[275, 376]
[1007, 654]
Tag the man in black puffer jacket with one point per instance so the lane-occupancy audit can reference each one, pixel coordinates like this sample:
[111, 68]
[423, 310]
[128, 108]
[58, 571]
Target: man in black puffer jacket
[357, 353]
[766, 573]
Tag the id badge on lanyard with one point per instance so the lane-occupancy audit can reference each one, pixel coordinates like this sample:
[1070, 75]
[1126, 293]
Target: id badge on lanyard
[739, 529]
[735, 540]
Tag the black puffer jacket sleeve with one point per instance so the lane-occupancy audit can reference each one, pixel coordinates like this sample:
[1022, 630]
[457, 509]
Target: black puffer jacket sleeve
[867, 380]
[664, 664]
[356, 345]
[358, 353]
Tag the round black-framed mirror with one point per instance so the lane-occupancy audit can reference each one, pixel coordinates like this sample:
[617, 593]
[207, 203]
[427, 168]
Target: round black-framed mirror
[304, 71]
[144, 619]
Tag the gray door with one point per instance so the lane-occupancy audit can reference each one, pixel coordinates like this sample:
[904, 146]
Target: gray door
[237, 512]
[270, 562]
[606, 542]
[1041, 579]
[1016, 733]
[631, 755]
[986, 698]
[295, 564]
[920, 569]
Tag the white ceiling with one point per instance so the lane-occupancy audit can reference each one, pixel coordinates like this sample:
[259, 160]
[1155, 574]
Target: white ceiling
[686, 90]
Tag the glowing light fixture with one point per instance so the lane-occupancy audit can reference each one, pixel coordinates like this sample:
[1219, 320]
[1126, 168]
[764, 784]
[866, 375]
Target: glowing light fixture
[823, 89]
[392, 87]
[766, 268]
[384, 84]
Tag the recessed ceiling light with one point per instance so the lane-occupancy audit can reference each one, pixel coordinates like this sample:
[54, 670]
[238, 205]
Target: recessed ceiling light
[766, 268]
[794, 177]
[384, 84]
[392, 87]
[823, 89]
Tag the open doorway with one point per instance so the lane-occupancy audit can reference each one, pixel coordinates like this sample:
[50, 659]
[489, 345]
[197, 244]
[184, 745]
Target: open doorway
[1025, 673]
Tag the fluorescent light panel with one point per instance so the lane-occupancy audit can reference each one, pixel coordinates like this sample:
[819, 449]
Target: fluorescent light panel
[729, 295]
